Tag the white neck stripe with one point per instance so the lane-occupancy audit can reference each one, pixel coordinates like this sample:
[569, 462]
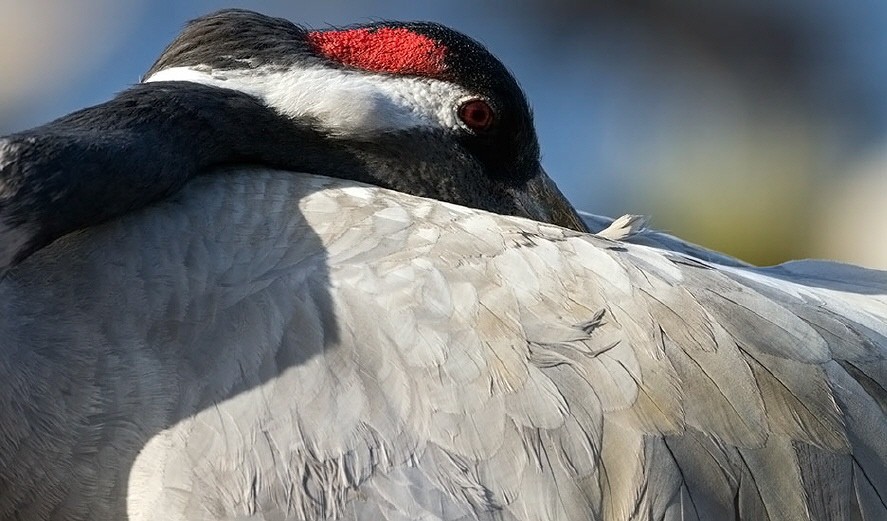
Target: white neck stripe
[347, 103]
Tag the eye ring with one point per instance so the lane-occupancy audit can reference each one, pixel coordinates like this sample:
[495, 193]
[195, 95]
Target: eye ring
[476, 114]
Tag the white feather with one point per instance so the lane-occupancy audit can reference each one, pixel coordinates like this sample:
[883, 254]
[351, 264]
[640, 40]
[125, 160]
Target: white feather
[343, 101]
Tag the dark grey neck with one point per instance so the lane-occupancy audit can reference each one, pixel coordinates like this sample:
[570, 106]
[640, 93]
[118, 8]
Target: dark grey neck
[141, 146]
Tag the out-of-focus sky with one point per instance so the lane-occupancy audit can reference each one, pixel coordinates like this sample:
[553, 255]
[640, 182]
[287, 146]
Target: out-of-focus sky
[754, 127]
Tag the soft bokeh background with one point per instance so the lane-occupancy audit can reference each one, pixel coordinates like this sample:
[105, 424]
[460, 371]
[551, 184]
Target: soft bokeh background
[756, 127]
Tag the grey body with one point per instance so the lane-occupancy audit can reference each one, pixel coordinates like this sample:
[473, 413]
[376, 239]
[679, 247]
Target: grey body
[270, 345]
[274, 345]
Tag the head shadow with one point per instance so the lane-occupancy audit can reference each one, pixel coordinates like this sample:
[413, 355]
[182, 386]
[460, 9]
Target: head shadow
[114, 334]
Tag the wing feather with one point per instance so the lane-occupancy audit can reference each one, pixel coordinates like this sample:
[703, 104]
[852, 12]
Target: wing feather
[312, 349]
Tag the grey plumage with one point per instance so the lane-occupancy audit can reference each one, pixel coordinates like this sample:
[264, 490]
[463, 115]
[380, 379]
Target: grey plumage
[269, 345]
[310, 348]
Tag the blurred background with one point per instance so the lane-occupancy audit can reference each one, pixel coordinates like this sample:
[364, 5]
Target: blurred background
[755, 127]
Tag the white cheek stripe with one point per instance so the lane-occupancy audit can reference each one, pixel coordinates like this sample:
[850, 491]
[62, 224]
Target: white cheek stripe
[349, 103]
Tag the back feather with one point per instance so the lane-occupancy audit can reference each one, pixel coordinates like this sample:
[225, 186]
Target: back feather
[275, 346]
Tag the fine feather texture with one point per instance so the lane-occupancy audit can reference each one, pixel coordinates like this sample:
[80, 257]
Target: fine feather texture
[268, 345]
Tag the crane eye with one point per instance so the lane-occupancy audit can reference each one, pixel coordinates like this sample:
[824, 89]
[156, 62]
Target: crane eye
[476, 114]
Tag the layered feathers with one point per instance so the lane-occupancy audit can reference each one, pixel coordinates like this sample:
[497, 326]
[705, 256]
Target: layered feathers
[311, 348]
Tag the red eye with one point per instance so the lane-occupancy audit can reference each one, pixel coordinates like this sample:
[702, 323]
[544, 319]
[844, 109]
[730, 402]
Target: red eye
[476, 114]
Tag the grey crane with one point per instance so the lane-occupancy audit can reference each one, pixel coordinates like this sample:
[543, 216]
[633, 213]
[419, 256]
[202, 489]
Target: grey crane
[320, 275]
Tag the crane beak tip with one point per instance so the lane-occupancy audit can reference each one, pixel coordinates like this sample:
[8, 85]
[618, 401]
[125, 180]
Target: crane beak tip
[543, 201]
